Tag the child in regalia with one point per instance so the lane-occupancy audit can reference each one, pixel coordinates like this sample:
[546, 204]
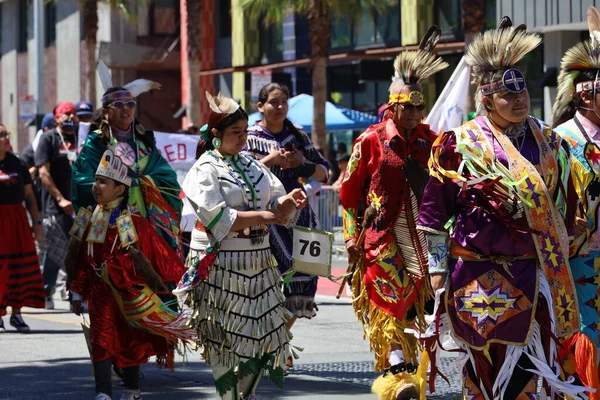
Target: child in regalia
[118, 262]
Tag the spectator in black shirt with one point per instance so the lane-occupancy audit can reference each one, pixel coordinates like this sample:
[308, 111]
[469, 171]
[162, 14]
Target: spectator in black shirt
[54, 157]
[21, 283]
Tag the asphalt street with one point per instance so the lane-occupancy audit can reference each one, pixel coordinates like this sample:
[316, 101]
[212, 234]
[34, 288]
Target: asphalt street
[52, 362]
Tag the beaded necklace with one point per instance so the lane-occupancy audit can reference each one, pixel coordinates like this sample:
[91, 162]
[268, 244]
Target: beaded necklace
[236, 174]
[256, 233]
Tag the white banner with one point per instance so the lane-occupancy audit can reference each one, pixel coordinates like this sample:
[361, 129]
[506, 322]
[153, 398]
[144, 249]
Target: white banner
[450, 109]
[179, 150]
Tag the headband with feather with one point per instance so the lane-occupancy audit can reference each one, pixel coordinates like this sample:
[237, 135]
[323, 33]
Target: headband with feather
[584, 56]
[500, 50]
[412, 67]
[221, 107]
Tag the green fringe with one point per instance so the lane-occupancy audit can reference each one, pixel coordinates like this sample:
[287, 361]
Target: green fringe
[230, 379]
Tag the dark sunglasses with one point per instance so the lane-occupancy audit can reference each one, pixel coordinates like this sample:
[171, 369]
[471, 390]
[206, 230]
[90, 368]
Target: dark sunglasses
[408, 106]
[119, 105]
[4, 135]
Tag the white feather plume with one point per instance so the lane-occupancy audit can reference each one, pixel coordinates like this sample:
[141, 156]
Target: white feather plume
[140, 86]
[222, 104]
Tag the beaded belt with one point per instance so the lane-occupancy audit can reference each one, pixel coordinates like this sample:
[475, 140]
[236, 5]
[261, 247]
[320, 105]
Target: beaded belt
[256, 232]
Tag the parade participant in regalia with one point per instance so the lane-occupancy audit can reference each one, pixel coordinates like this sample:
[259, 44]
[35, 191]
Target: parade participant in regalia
[21, 283]
[117, 262]
[577, 110]
[290, 155]
[494, 211]
[387, 172]
[154, 191]
[233, 284]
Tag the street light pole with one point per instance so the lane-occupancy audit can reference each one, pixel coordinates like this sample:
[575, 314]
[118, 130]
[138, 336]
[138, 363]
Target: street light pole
[39, 36]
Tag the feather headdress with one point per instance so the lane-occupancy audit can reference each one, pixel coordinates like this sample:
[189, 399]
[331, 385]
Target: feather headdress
[221, 107]
[498, 50]
[584, 56]
[414, 66]
[222, 104]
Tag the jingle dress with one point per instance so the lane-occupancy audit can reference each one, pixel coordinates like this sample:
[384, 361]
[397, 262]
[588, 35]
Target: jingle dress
[238, 310]
[390, 291]
[154, 191]
[107, 278]
[21, 283]
[300, 293]
[509, 290]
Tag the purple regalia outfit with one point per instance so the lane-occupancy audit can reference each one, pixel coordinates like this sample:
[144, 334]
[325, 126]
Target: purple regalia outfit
[500, 301]
[301, 292]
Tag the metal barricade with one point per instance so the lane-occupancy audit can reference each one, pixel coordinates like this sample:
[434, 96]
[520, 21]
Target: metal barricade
[329, 210]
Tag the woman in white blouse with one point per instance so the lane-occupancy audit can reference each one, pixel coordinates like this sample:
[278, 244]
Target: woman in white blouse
[233, 284]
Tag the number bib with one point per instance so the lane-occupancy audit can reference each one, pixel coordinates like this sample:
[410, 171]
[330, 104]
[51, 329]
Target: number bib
[312, 251]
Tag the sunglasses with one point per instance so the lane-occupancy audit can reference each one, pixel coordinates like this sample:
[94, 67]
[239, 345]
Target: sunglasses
[408, 106]
[4, 135]
[119, 105]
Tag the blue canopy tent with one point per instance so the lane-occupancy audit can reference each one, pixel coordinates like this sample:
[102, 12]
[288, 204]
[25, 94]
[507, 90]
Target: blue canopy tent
[300, 112]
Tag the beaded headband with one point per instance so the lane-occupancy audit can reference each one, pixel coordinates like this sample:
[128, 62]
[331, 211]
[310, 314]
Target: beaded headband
[114, 96]
[587, 85]
[415, 98]
[512, 80]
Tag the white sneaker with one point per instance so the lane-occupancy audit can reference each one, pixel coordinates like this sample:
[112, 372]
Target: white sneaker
[64, 294]
[49, 303]
[129, 394]
[102, 396]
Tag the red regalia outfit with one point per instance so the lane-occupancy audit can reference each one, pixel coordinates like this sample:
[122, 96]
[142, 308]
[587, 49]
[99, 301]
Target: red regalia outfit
[112, 335]
[122, 261]
[387, 172]
[21, 283]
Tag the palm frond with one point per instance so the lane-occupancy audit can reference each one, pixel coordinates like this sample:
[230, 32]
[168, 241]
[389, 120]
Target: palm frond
[273, 11]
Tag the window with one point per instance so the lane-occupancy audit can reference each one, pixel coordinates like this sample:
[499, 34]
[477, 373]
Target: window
[23, 25]
[364, 29]
[271, 43]
[225, 19]
[490, 15]
[388, 25]
[448, 18]
[50, 23]
[370, 28]
[164, 17]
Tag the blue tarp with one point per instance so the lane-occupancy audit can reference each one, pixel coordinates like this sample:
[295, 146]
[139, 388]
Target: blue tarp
[300, 112]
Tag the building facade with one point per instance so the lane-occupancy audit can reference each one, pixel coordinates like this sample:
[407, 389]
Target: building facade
[361, 51]
[145, 48]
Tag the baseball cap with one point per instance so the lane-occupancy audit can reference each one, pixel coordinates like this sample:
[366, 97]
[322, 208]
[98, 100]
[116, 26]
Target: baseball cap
[84, 108]
[47, 121]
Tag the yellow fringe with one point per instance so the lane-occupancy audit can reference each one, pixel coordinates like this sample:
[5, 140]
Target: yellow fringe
[384, 330]
[422, 375]
[386, 387]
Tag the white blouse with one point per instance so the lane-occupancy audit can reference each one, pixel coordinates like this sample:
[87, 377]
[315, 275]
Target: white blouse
[220, 186]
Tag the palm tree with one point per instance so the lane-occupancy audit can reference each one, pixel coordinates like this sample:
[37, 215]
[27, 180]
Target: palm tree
[318, 14]
[89, 9]
[194, 46]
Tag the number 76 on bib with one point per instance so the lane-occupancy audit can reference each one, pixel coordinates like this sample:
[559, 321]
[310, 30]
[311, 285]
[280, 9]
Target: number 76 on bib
[312, 251]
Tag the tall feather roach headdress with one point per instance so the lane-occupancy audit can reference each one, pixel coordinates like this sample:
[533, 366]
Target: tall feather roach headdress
[414, 66]
[584, 56]
[499, 51]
